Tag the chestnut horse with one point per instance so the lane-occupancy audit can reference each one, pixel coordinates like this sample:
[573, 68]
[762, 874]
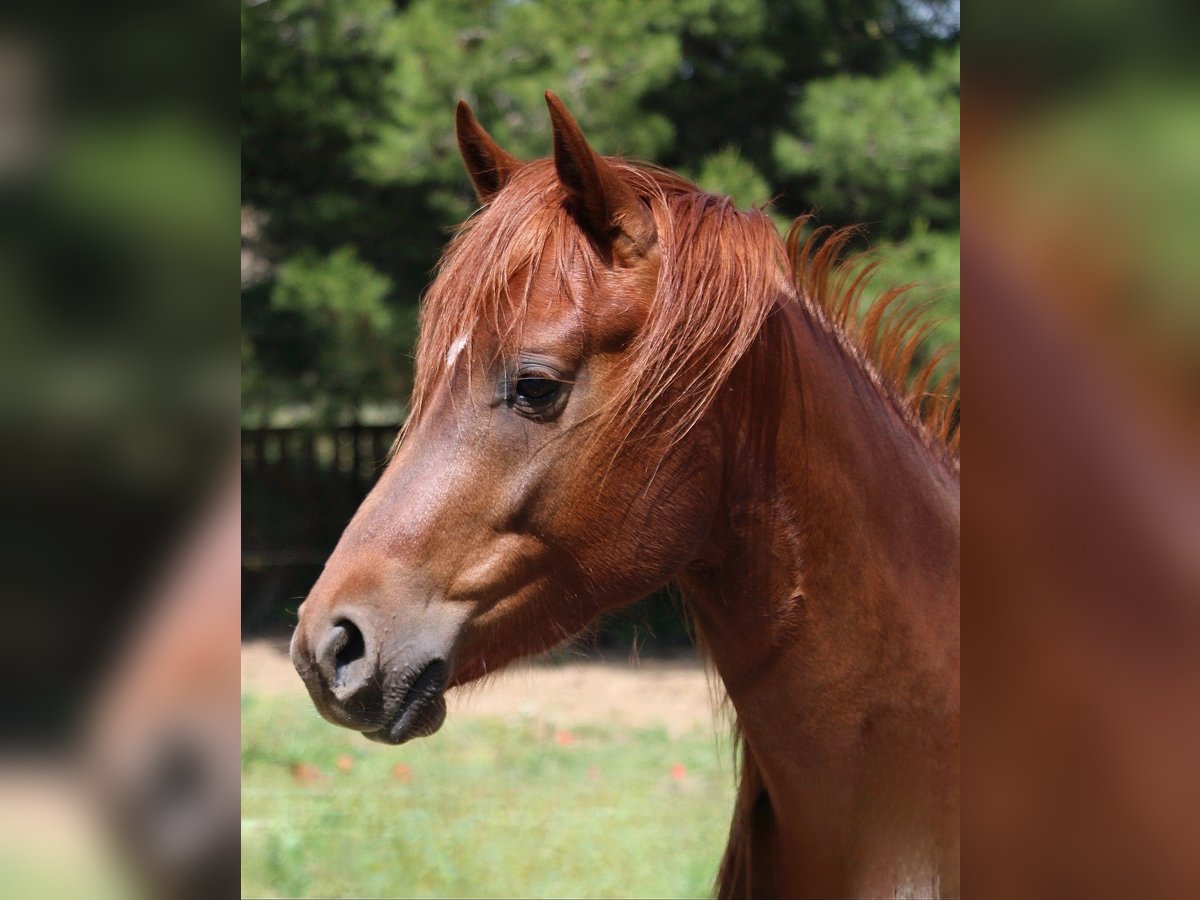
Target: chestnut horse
[624, 382]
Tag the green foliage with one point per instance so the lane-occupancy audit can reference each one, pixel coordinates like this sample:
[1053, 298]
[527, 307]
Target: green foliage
[339, 304]
[342, 301]
[488, 808]
[928, 260]
[726, 172]
[880, 150]
[314, 97]
[348, 141]
[343, 295]
[502, 57]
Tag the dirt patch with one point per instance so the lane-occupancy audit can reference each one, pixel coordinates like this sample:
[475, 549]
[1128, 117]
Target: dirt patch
[672, 694]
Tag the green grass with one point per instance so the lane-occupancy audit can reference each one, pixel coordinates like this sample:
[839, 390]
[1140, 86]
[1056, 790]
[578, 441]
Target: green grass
[488, 808]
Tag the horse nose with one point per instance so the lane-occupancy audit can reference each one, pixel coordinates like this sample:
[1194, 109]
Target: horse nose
[343, 658]
[337, 653]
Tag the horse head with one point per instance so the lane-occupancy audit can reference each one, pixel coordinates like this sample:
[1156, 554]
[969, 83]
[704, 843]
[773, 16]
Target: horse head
[540, 479]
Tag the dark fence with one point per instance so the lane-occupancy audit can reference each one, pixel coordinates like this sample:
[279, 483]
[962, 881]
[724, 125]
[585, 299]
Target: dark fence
[300, 486]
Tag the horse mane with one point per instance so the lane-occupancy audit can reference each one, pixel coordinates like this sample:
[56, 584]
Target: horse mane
[831, 283]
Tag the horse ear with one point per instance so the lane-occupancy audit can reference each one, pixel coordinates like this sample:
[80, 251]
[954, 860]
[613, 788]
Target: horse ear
[605, 205]
[489, 166]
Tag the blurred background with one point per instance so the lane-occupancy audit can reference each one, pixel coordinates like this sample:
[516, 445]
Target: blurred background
[1081, 550]
[118, 416]
[580, 774]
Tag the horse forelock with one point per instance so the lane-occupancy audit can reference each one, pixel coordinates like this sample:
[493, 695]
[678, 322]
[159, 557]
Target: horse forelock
[722, 271]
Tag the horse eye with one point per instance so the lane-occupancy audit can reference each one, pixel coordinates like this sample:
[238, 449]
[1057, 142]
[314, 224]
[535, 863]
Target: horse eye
[536, 389]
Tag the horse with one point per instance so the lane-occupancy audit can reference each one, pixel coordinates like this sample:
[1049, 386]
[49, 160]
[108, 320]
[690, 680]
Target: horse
[623, 382]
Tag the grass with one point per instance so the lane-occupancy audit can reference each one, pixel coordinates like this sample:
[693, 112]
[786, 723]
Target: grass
[484, 808]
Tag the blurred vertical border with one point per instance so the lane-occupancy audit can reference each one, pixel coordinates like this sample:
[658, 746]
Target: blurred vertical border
[118, 433]
[1081, 534]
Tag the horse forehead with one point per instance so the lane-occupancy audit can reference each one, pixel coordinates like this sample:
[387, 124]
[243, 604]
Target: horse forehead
[589, 298]
[554, 304]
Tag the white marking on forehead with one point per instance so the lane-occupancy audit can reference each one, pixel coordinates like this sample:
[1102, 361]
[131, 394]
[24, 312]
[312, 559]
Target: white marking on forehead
[455, 349]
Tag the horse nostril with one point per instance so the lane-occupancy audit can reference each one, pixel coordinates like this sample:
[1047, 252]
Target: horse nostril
[345, 662]
[353, 648]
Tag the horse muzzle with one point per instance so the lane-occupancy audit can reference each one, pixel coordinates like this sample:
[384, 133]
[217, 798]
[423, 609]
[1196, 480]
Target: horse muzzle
[363, 673]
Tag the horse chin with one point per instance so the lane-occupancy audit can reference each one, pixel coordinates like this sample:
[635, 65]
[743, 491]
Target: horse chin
[421, 712]
[420, 720]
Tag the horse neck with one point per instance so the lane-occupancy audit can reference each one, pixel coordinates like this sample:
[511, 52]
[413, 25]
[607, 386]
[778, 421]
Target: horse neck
[828, 601]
